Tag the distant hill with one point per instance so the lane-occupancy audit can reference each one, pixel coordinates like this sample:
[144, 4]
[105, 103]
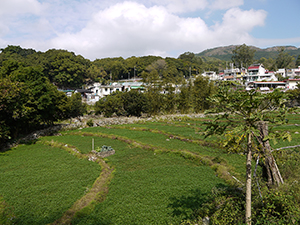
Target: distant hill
[225, 53]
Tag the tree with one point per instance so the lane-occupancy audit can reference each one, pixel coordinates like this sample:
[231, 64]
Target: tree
[239, 117]
[111, 104]
[65, 68]
[298, 61]
[201, 89]
[243, 56]
[283, 59]
[153, 91]
[184, 98]
[74, 107]
[187, 56]
[134, 103]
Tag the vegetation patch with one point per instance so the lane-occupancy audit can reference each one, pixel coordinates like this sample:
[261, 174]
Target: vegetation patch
[42, 182]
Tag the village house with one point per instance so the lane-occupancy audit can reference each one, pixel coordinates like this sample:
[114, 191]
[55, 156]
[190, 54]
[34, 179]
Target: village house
[292, 83]
[266, 85]
[257, 72]
[212, 75]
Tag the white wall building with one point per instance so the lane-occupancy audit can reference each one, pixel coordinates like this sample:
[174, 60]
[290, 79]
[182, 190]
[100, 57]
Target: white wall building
[212, 75]
[292, 83]
[257, 72]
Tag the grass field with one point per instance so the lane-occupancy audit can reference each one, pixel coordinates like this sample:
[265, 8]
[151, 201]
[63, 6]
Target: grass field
[41, 182]
[163, 171]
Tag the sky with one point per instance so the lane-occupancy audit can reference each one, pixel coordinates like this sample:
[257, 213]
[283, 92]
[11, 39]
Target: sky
[115, 28]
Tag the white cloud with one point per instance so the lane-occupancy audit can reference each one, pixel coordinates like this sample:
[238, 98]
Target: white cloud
[181, 6]
[110, 28]
[130, 28]
[237, 25]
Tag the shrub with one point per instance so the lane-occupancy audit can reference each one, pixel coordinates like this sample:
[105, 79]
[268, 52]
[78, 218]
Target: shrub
[90, 123]
[278, 208]
[226, 206]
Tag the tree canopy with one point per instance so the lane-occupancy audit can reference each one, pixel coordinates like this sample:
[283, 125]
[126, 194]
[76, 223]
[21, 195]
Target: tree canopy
[240, 117]
[243, 56]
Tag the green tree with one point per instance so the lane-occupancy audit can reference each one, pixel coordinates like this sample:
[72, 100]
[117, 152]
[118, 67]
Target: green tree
[201, 90]
[65, 68]
[169, 98]
[111, 104]
[298, 61]
[241, 117]
[184, 98]
[187, 56]
[74, 107]
[134, 103]
[283, 59]
[243, 56]
[153, 86]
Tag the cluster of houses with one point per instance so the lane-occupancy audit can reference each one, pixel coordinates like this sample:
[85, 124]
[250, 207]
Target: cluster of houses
[94, 92]
[255, 76]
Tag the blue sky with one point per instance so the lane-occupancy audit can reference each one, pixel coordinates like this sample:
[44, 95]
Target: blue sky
[113, 28]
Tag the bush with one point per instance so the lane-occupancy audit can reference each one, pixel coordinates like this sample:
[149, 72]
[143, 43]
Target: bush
[90, 123]
[226, 206]
[278, 207]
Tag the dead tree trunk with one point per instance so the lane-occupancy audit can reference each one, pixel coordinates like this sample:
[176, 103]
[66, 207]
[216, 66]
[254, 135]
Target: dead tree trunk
[273, 173]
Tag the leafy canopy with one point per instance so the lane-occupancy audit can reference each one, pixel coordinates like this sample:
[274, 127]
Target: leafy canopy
[239, 111]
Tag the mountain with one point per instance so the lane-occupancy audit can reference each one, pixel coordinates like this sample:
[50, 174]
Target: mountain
[225, 53]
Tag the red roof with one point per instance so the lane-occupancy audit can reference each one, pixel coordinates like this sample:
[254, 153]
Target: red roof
[267, 82]
[253, 67]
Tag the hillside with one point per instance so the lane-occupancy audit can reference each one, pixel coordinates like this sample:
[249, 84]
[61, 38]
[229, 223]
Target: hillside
[225, 53]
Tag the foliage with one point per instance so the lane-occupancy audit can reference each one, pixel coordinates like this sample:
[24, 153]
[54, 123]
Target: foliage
[278, 208]
[239, 118]
[225, 206]
[242, 56]
[201, 90]
[297, 63]
[283, 59]
[74, 107]
[111, 104]
[135, 103]
[28, 100]
[239, 111]
[90, 123]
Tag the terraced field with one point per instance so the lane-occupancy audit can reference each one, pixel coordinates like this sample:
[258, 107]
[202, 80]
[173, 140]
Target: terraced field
[160, 173]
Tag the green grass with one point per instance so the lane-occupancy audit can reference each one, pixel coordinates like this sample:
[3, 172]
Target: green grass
[146, 185]
[41, 182]
[156, 139]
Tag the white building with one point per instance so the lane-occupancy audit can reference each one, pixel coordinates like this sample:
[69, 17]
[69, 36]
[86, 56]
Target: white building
[257, 72]
[212, 75]
[105, 90]
[293, 72]
[292, 83]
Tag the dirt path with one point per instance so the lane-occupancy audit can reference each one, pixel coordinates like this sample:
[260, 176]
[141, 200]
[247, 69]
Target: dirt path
[98, 191]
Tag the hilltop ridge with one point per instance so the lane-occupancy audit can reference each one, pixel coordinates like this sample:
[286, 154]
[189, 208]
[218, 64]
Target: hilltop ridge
[225, 52]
